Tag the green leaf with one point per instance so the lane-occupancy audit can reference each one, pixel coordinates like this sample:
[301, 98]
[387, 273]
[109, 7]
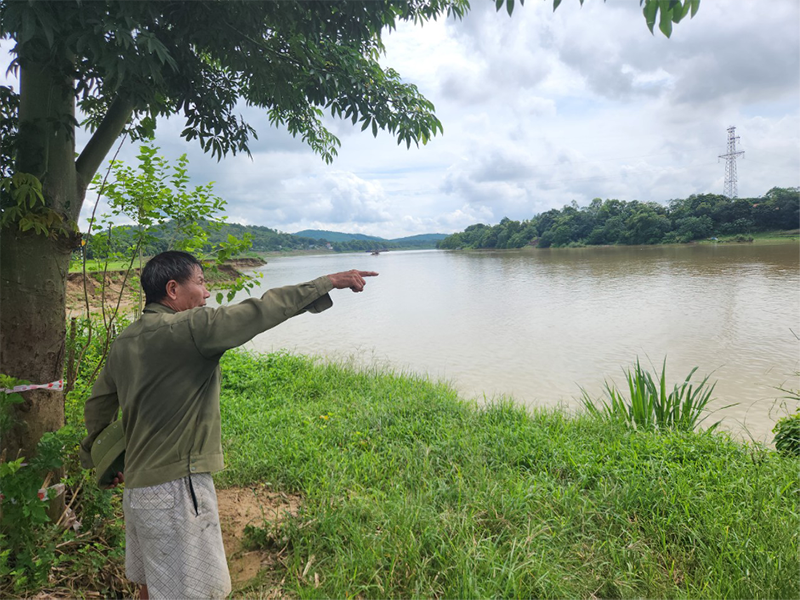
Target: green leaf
[498, 5]
[510, 6]
[665, 23]
[556, 4]
[695, 6]
[15, 398]
[649, 11]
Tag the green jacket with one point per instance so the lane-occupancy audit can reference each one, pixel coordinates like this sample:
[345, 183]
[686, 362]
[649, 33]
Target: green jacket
[163, 372]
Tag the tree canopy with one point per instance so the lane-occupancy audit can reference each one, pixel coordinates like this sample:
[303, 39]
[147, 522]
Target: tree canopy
[633, 222]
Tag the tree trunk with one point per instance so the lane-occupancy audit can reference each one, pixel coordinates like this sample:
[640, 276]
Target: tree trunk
[33, 267]
[32, 331]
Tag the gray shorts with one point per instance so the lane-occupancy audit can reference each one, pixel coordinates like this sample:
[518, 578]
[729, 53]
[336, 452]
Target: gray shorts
[173, 541]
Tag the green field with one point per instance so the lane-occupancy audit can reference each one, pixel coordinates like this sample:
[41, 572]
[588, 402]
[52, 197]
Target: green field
[96, 265]
[762, 237]
[410, 491]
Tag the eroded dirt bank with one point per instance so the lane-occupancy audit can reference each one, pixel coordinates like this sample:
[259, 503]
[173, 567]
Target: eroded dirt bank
[113, 288]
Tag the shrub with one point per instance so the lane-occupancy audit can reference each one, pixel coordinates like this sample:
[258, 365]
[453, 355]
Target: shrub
[25, 527]
[787, 435]
[787, 429]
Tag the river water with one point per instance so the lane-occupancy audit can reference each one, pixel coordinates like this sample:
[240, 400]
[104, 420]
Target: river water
[538, 325]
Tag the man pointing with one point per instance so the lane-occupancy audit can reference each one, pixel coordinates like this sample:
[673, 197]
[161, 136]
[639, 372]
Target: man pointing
[163, 372]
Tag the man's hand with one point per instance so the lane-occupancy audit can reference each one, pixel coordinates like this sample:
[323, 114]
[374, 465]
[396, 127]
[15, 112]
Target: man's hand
[120, 478]
[351, 279]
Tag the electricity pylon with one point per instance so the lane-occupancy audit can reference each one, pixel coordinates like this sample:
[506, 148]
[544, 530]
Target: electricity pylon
[730, 164]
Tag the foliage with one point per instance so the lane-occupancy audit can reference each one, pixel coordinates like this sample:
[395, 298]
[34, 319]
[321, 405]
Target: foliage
[787, 434]
[22, 204]
[152, 195]
[621, 222]
[263, 239]
[291, 59]
[651, 405]
[25, 528]
[787, 429]
[666, 13]
[409, 491]
[149, 195]
[9, 124]
[21, 200]
[6, 400]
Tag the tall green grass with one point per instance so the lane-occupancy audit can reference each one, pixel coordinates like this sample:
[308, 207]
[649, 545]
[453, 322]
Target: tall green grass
[410, 491]
[650, 404]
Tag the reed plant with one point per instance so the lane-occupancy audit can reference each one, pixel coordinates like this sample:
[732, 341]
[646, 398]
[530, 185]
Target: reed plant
[650, 404]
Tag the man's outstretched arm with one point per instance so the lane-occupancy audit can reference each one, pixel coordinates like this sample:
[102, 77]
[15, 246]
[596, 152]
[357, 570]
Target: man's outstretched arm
[216, 330]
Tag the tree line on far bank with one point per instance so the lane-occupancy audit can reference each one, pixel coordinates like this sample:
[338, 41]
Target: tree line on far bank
[121, 239]
[603, 222]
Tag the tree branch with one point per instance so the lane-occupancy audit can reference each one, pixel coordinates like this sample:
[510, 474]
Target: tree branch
[103, 139]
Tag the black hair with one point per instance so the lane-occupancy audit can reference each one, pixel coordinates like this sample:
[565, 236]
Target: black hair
[163, 268]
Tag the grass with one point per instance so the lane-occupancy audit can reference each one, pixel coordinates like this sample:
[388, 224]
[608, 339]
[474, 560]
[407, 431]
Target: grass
[761, 237]
[98, 265]
[410, 491]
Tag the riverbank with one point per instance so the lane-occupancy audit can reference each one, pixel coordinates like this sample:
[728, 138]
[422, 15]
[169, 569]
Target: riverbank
[345, 482]
[762, 237]
[407, 490]
[758, 239]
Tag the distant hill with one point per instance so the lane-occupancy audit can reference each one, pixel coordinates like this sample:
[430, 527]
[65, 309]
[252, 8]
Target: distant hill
[422, 237]
[264, 239]
[336, 236]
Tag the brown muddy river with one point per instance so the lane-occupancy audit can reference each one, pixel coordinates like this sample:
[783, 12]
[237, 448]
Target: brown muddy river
[538, 325]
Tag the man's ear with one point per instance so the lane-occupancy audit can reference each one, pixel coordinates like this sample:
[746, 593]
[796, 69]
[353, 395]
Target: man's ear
[172, 289]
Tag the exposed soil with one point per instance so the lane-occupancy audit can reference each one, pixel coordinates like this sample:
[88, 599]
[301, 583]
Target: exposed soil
[76, 298]
[259, 507]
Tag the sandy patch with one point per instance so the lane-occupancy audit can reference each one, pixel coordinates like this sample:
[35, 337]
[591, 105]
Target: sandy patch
[259, 507]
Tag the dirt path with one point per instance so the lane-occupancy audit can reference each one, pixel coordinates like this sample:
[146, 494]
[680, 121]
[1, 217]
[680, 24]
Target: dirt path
[265, 509]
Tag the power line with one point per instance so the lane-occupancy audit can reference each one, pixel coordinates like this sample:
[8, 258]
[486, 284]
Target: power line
[730, 164]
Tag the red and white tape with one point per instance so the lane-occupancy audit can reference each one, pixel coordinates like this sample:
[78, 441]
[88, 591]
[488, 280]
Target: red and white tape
[53, 385]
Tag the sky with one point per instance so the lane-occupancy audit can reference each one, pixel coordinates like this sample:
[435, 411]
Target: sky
[539, 109]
